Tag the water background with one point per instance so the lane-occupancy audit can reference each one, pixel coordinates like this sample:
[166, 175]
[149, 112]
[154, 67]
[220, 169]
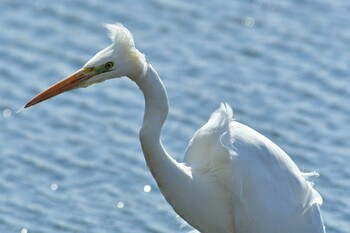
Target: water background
[74, 163]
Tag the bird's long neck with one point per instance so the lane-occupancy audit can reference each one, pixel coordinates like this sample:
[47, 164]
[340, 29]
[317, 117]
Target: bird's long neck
[163, 167]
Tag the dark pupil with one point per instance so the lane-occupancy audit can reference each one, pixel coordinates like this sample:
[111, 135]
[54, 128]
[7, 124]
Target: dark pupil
[109, 65]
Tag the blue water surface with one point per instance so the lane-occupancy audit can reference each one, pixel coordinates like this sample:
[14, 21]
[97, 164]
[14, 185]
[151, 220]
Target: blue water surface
[74, 163]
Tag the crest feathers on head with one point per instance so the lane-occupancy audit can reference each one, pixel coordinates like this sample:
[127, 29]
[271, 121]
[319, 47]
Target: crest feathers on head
[120, 36]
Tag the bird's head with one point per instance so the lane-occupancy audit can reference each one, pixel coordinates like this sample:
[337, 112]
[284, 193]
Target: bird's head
[119, 59]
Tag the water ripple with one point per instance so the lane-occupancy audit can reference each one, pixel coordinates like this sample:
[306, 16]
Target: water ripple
[283, 66]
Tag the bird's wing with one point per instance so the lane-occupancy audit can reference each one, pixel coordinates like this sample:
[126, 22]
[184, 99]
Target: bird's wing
[205, 148]
[269, 193]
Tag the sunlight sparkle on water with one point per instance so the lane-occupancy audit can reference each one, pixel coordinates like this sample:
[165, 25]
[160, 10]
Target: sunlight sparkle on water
[40, 5]
[147, 188]
[54, 186]
[248, 21]
[120, 205]
[7, 113]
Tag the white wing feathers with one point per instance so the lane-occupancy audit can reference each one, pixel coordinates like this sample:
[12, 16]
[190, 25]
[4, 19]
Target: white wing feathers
[268, 191]
[205, 147]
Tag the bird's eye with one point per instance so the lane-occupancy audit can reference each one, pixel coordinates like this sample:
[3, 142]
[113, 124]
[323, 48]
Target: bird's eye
[109, 65]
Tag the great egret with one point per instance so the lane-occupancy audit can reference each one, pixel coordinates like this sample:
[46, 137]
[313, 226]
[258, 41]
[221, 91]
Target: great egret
[232, 180]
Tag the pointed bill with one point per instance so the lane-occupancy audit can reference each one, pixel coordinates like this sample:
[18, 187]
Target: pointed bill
[71, 82]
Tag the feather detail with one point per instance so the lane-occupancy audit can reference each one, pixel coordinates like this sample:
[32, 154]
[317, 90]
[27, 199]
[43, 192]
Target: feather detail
[120, 36]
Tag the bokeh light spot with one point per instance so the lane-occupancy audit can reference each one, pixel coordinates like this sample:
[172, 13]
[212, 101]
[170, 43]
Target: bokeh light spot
[7, 113]
[54, 186]
[120, 205]
[147, 188]
[248, 21]
[40, 5]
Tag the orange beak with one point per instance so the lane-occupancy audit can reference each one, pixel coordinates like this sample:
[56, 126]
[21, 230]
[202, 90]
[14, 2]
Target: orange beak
[71, 82]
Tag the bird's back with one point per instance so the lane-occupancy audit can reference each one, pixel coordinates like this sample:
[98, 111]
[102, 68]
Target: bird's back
[268, 193]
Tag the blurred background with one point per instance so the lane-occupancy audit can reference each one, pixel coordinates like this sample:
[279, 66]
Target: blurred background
[74, 163]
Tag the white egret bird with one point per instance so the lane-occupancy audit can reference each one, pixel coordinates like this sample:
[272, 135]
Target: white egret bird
[232, 180]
